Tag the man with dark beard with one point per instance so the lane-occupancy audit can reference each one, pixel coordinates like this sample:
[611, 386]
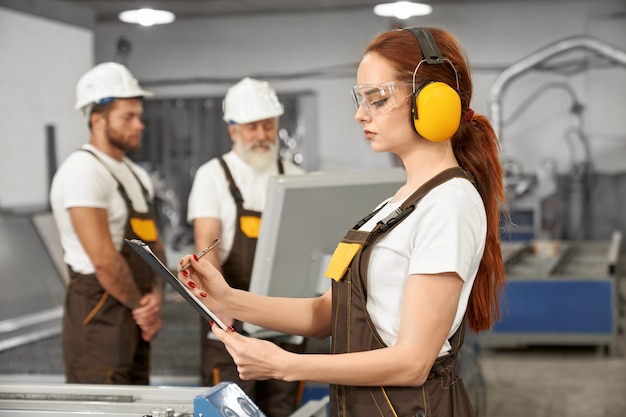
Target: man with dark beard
[99, 197]
[226, 201]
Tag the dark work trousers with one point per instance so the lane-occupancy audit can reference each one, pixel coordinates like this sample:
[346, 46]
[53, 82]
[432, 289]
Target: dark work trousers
[102, 344]
[275, 398]
[443, 394]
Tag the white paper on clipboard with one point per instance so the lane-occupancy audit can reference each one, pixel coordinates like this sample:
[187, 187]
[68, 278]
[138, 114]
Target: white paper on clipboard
[144, 251]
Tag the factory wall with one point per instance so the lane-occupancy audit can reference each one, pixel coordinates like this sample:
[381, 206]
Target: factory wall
[40, 62]
[318, 53]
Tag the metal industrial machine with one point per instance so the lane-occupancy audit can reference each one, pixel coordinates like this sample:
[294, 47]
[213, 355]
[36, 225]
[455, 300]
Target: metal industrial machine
[562, 245]
[560, 293]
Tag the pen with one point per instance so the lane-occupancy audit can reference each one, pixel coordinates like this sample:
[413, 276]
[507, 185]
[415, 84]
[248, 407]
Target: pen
[203, 252]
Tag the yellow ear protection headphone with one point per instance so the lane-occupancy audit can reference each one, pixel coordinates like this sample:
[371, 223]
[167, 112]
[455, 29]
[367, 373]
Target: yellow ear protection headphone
[435, 106]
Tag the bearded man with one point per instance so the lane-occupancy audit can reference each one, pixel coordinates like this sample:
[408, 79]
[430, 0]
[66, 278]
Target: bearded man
[226, 201]
[99, 197]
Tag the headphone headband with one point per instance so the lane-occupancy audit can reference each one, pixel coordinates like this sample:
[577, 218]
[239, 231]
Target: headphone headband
[431, 52]
[427, 45]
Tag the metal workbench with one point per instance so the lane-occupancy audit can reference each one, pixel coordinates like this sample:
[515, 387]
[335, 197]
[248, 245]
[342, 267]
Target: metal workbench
[559, 293]
[82, 399]
[62, 400]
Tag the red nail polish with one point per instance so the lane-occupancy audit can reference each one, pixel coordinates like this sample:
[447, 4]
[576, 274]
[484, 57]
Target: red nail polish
[203, 294]
[192, 284]
[211, 323]
[195, 258]
[185, 273]
[230, 329]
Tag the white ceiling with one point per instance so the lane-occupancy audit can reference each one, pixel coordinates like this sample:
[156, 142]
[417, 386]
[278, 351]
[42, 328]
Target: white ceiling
[107, 10]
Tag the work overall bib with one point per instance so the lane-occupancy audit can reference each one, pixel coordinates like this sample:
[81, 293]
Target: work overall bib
[275, 398]
[443, 393]
[102, 344]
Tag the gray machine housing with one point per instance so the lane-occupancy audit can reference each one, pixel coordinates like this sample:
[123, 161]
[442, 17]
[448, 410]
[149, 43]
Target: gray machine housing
[304, 219]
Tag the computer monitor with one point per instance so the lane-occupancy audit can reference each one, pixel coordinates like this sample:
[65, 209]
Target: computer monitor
[305, 216]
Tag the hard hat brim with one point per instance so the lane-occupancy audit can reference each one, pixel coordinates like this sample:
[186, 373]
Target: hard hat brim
[131, 94]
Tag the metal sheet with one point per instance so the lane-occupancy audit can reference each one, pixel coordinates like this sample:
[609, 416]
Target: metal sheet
[32, 289]
[111, 400]
[29, 279]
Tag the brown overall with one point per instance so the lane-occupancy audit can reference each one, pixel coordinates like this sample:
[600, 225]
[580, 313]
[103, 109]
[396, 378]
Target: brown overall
[101, 342]
[443, 394]
[275, 398]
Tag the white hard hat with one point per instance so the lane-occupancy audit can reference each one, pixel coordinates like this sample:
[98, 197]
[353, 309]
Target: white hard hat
[250, 100]
[107, 80]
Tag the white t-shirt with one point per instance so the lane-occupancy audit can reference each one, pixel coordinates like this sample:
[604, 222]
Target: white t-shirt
[446, 233]
[210, 195]
[82, 181]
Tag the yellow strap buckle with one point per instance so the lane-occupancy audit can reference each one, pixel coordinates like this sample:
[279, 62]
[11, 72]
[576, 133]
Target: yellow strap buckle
[250, 226]
[341, 259]
[145, 229]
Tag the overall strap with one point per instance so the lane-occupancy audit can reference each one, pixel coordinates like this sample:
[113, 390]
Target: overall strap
[234, 190]
[120, 187]
[409, 205]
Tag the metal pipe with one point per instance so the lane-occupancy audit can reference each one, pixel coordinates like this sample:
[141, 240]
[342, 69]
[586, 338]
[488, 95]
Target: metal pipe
[533, 60]
[614, 251]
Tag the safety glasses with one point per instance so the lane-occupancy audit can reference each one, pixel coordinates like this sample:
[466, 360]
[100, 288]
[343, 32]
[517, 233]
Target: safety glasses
[380, 98]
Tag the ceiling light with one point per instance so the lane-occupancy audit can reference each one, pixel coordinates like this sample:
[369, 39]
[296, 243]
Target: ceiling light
[402, 9]
[147, 17]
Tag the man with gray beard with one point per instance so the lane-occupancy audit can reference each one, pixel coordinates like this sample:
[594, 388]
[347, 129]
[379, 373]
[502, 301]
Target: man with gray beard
[226, 201]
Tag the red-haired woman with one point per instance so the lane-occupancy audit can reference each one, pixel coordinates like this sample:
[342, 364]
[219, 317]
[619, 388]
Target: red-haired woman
[410, 276]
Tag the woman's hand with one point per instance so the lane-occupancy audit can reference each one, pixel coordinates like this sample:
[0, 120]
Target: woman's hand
[205, 282]
[255, 359]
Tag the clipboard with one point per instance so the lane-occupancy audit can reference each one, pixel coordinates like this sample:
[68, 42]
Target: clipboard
[144, 251]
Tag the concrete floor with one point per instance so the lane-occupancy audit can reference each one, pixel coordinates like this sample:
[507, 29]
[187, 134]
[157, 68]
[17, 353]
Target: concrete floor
[554, 383]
